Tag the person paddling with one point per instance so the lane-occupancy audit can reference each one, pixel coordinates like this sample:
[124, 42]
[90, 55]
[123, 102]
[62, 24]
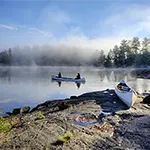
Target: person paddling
[59, 75]
[78, 76]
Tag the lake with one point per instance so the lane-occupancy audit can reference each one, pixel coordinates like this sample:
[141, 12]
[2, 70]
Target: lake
[29, 86]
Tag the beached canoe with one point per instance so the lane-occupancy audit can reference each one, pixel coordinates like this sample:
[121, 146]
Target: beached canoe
[125, 93]
[55, 78]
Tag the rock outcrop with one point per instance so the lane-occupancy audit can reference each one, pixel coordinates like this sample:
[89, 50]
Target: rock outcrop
[22, 110]
[55, 128]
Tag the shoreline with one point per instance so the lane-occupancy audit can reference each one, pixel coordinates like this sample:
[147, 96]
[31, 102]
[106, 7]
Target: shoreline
[43, 126]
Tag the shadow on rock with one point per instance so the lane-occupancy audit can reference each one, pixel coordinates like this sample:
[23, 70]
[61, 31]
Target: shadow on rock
[146, 100]
[105, 145]
[57, 143]
[107, 99]
[135, 134]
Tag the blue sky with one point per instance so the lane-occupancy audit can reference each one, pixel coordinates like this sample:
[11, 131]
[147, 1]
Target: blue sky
[87, 23]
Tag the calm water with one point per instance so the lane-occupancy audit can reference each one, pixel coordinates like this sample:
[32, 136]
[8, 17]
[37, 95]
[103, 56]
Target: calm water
[22, 86]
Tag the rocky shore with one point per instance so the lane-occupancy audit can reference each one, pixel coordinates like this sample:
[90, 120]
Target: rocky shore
[52, 125]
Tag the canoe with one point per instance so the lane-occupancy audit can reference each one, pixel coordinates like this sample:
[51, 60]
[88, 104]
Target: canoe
[126, 94]
[67, 79]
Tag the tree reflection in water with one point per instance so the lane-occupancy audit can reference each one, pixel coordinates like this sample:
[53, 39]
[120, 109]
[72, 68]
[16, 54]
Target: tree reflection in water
[78, 84]
[5, 74]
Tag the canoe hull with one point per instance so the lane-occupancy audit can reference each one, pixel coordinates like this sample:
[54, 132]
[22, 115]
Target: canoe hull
[66, 79]
[126, 94]
[128, 97]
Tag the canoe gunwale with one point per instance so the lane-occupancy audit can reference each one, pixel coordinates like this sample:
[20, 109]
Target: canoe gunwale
[67, 79]
[127, 96]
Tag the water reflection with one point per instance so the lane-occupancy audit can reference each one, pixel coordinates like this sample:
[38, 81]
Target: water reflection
[22, 86]
[59, 84]
[5, 74]
[114, 75]
[78, 84]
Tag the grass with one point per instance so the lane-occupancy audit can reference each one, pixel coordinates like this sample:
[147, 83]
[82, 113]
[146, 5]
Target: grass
[70, 107]
[47, 147]
[5, 125]
[40, 115]
[14, 122]
[66, 137]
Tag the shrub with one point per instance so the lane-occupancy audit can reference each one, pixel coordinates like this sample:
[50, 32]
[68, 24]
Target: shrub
[40, 115]
[66, 137]
[5, 125]
[70, 107]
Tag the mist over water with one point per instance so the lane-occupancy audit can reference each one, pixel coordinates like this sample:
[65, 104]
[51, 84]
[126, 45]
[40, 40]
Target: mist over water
[59, 54]
[29, 86]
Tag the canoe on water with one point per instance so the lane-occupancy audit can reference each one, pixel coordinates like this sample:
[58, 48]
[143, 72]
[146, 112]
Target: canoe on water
[67, 79]
[126, 94]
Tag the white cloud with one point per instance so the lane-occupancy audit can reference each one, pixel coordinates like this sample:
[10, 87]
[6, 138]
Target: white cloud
[68, 30]
[90, 44]
[60, 17]
[131, 21]
[31, 32]
[122, 24]
[56, 20]
[8, 27]
[145, 25]
[35, 30]
[53, 14]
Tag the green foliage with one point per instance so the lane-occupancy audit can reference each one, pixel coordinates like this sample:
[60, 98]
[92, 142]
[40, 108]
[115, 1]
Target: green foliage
[70, 107]
[145, 45]
[101, 59]
[40, 115]
[14, 122]
[6, 57]
[5, 125]
[135, 45]
[116, 55]
[108, 61]
[66, 137]
[47, 147]
[129, 53]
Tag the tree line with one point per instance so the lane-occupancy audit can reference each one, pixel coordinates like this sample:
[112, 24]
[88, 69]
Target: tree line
[6, 57]
[128, 53]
